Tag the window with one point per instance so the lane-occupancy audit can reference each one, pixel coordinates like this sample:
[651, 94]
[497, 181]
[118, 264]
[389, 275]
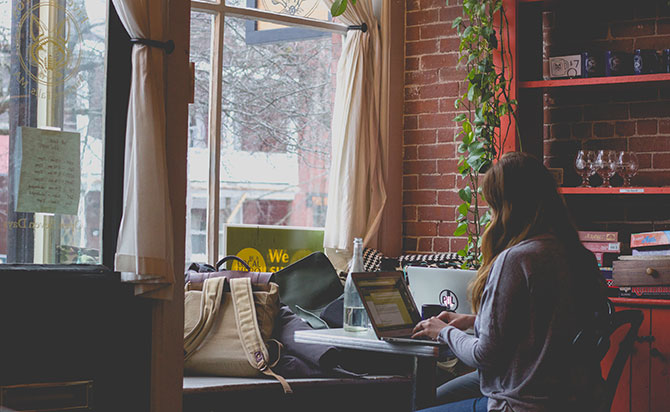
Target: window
[52, 130]
[259, 140]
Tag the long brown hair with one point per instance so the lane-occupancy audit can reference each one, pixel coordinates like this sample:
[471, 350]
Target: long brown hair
[524, 202]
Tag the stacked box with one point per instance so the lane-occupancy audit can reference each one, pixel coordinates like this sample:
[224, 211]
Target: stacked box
[604, 245]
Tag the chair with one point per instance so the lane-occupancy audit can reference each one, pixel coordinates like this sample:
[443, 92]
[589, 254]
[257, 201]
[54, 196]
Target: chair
[594, 343]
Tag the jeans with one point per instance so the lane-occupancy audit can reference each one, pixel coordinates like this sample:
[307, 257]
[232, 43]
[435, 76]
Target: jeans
[463, 387]
[467, 405]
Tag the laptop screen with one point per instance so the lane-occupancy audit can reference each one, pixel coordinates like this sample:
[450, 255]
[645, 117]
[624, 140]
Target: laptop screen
[387, 301]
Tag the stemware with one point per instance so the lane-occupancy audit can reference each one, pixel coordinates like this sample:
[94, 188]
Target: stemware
[605, 164]
[627, 166]
[584, 165]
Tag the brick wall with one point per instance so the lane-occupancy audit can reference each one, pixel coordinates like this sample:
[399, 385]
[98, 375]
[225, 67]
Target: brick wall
[633, 118]
[432, 83]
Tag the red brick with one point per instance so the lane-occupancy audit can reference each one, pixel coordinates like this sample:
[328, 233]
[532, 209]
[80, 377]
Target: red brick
[452, 73]
[448, 164]
[564, 114]
[439, 181]
[632, 28]
[435, 151]
[619, 44]
[447, 228]
[441, 244]
[417, 48]
[606, 112]
[646, 127]
[649, 109]
[410, 153]
[624, 128]
[412, 5]
[436, 61]
[409, 244]
[410, 122]
[661, 161]
[419, 197]
[448, 198]
[436, 31]
[649, 144]
[603, 129]
[412, 64]
[421, 17]
[420, 136]
[652, 42]
[425, 245]
[458, 243]
[421, 77]
[664, 125]
[419, 166]
[645, 160]
[652, 178]
[450, 13]
[560, 131]
[412, 92]
[409, 182]
[432, 4]
[663, 26]
[420, 228]
[582, 130]
[447, 134]
[434, 120]
[409, 213]
[422, 106]
[432, 213]
[448, 89]
[450, 44]
[447, 105]
[413, 34]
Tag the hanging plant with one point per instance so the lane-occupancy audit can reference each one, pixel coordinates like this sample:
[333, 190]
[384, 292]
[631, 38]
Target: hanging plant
[339, 6]
[485, 102]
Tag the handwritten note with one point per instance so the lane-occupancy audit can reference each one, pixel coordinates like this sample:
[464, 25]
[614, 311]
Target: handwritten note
[50, 174]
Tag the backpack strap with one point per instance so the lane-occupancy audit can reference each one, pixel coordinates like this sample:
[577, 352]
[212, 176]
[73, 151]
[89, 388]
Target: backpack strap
[210, 301]
[247, 327]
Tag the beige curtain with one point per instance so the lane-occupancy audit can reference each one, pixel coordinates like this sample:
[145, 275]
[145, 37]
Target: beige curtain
[144, 249]
[356, 194]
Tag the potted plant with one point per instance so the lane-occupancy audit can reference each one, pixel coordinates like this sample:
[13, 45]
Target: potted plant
[485, 102]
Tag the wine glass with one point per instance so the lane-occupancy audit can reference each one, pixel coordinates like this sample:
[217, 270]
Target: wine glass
[605, 164]
[626, 166]
[584, 165]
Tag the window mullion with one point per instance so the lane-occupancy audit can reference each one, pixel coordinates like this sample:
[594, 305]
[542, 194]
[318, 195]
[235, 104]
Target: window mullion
[215, 141]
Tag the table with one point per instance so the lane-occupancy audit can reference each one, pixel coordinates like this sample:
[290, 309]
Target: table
[424, 356]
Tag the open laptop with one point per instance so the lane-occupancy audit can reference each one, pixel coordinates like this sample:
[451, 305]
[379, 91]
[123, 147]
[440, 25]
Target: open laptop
[447, 287]
[390, 306]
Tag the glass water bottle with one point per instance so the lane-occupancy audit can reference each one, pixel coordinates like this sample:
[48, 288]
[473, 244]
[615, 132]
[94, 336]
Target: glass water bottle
[355, 317]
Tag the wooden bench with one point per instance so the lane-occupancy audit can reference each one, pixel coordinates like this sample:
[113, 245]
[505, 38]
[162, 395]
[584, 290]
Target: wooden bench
[373, 393]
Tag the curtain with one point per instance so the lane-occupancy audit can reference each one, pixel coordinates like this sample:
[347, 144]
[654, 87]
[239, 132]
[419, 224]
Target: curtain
[356, 193]
[144, 252]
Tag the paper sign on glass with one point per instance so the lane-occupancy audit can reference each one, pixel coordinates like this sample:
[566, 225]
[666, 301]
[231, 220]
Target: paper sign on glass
[49, 171]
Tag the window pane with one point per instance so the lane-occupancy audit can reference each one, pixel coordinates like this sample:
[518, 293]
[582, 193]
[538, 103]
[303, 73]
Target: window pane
[198, 155]
[276, 114]
[52, 68]
[314, 9]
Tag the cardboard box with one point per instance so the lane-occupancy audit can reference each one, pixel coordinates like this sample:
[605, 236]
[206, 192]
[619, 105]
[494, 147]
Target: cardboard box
[604, 247]
[597, 236]
[650, 239]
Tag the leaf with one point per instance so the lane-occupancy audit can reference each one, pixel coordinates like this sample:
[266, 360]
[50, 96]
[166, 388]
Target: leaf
[460, 117]
[461, 229]
[338, 7]
[464, 208]
[465, 194]
[457, 21]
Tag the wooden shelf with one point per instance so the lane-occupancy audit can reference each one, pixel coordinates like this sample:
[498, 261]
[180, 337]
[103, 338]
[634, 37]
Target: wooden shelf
[597, 81]
[614, 190]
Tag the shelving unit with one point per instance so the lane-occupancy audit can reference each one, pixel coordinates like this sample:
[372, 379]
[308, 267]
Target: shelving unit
[644, 383]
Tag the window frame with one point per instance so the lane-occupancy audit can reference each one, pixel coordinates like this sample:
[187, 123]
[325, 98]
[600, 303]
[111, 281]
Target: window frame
[117, 91]
[219, 11]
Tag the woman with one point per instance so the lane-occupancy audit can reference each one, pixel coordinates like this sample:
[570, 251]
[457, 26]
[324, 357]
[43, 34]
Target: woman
[536, 288]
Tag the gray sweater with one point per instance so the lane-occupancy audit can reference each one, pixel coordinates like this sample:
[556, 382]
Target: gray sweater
[529, 314]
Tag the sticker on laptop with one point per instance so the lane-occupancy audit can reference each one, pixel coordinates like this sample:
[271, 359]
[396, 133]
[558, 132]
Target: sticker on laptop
[449, 299]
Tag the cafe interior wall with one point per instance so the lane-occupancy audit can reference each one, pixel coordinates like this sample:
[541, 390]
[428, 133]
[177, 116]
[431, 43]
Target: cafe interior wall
[636, 119]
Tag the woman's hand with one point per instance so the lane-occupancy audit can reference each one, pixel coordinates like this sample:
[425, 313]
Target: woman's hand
[429, 328]
[457, 320]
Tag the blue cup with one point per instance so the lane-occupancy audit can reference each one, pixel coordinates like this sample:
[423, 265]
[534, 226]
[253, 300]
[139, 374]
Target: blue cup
[591, 65]
[617, 63]
[645, 61]
[665, 61]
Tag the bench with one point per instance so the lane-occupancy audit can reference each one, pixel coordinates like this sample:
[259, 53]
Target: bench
[372, 393]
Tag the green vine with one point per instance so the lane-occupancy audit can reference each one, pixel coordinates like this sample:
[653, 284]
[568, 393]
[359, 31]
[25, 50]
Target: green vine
[485, 102]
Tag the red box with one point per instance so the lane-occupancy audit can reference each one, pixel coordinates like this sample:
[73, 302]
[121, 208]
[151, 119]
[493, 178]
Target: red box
[597, 236]
[650, 238]
[604, 247]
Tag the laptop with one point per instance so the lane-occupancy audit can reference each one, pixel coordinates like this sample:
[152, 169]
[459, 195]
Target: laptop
[390, 306]
[447, 287]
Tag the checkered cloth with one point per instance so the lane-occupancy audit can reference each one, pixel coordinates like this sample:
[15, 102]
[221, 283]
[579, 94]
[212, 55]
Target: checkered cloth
[374, 260]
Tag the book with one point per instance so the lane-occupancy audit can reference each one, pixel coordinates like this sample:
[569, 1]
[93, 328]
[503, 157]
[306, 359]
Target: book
[604, 247]
[645, 292]
[645, 239]
[597, 236]
[652, 251]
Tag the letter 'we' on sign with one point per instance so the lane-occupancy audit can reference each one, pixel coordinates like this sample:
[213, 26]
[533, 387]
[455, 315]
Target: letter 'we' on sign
[49, 171]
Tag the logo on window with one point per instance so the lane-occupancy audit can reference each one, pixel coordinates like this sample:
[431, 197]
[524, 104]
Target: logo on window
[449, 299]
[51, 53]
